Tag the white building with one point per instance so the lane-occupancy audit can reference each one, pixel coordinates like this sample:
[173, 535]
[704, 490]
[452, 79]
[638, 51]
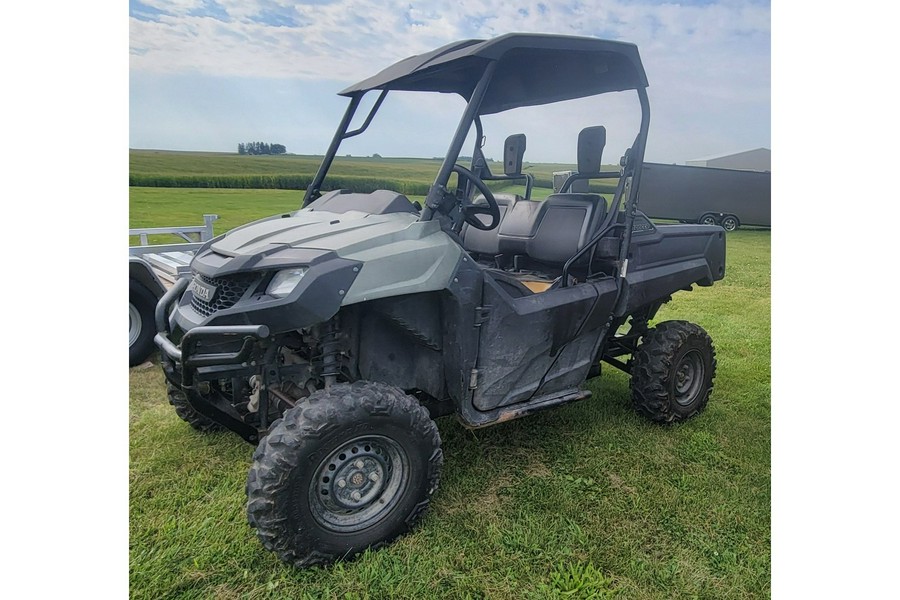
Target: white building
[759, 159]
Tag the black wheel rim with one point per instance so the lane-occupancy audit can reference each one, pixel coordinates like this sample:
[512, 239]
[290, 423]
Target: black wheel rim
[729, 224]
[359, 483]
[688, 377]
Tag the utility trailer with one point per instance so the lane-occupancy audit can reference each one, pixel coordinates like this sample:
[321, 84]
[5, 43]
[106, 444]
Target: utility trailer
[711, 196]
[152, 271]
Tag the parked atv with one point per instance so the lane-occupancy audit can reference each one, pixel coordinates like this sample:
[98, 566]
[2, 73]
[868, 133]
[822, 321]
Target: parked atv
[334, 335]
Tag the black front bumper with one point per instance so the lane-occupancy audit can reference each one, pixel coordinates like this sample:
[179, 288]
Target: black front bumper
[180, 362]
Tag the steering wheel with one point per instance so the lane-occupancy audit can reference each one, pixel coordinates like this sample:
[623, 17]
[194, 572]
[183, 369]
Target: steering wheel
[470, 210]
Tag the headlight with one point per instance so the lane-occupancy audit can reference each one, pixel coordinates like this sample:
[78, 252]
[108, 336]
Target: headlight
[285, 281]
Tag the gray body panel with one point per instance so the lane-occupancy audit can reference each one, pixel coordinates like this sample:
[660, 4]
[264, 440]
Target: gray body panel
[399, 254]
[687, 193]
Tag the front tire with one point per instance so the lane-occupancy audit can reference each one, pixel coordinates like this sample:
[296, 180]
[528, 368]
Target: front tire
[349, 468]
[186, 412]
[672, 372]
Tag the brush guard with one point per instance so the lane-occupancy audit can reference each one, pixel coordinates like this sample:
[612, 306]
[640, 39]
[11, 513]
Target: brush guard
[181, 362]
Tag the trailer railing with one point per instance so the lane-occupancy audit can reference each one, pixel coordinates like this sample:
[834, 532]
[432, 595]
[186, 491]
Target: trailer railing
[193, 237]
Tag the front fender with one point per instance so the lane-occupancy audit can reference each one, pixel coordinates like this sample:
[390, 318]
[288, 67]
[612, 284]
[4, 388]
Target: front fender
[139, 270]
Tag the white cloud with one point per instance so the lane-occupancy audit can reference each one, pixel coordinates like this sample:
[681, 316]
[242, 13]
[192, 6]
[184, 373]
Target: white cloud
[708, 64]
[350, 38]
[174, 7]
[345, 40]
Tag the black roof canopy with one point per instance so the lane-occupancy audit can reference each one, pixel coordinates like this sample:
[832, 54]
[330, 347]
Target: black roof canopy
[533, 69]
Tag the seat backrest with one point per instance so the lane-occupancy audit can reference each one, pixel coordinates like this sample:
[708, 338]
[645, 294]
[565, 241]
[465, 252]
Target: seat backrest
[568, 222]
[519, 227]
[486, 242]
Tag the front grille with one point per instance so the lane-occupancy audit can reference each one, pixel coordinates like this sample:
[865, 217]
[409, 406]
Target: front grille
[228, 291]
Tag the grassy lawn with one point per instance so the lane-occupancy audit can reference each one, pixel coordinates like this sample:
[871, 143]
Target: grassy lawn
[166, 162]
[584, 501]
[169, 207]
[157, 162]
[223, 170]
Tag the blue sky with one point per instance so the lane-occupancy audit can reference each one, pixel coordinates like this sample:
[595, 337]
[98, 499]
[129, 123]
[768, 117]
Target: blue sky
[207, 74]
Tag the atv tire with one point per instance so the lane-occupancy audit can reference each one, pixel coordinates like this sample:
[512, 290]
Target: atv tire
[672, 372]
[187, 413]
[141, 323]
[348, 468]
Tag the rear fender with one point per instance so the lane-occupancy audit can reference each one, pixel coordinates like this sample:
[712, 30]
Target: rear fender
[671, 258]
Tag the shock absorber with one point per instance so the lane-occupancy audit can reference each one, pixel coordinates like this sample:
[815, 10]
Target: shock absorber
[331, 348]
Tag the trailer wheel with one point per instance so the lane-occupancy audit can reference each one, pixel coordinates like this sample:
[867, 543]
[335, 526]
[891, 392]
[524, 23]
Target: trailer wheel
[672, 372]
[730, 223]
[708, 219]
[141, 326]
[348, 468]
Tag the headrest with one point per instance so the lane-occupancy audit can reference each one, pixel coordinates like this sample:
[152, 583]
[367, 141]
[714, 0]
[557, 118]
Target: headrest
[591, 141]
[513, 151]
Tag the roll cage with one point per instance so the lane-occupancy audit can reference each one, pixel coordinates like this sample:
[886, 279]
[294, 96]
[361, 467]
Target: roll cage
[503, 73]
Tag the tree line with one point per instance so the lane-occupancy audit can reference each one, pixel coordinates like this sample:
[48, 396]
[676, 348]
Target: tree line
[261, 148]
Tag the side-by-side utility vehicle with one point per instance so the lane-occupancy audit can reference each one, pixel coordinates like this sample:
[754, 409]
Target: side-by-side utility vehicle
[332, 336]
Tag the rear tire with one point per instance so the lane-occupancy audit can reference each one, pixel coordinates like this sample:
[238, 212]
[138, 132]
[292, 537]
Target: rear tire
[672, 372]
[141, 323]
[348, 468]
[187, 413]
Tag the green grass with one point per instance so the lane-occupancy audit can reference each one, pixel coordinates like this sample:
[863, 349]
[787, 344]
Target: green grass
[166, 168]
[161, 207]
[584, 501]
[167, 162]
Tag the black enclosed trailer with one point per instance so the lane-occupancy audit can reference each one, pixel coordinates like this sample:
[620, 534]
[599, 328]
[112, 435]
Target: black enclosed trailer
[727, 197]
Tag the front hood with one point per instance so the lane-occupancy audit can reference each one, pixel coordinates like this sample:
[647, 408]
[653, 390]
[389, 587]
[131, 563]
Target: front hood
[351, 257]
[316, 230]
[309, 237]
